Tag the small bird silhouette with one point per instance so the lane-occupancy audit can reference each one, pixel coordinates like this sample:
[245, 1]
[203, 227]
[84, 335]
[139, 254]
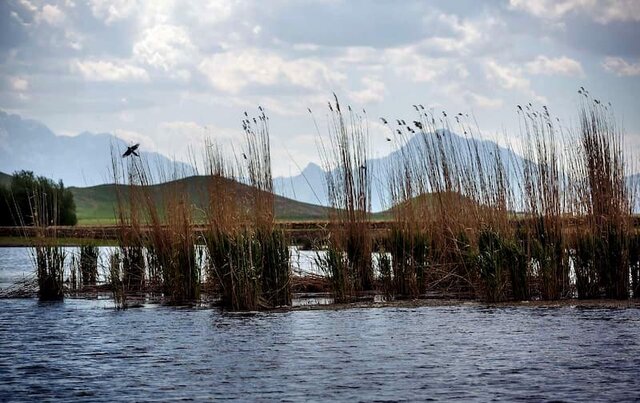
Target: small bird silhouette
[388, 139]
[244, 156]
[383, 120]
[418, 124]
[131, 150]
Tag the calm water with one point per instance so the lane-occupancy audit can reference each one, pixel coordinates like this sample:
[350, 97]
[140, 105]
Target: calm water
[81, 349]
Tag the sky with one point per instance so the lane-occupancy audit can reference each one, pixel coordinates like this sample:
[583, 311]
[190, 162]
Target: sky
[168, 73]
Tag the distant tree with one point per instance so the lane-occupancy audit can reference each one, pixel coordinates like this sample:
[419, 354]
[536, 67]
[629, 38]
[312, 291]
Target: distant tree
[31, 200]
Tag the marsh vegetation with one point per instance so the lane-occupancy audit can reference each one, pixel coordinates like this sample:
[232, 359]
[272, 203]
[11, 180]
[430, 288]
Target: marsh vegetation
[465, 218]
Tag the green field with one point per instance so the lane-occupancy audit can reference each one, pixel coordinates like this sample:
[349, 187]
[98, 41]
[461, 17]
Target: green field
[97, 205]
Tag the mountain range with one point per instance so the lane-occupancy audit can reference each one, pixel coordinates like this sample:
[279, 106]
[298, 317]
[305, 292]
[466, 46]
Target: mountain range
[81, 160]
[85, 160]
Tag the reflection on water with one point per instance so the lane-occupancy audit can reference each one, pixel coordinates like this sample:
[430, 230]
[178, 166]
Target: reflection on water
[79, 350]
[16, 264]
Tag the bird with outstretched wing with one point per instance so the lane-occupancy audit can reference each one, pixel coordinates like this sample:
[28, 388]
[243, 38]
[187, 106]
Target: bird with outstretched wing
[131, 150]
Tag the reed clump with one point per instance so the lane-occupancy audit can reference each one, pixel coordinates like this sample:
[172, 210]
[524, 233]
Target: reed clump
[467, 217]
[603, 200]
[48, 256]
[167, 240]
[88, 264]
[451, 202]
[543, 186]
[348, 260]
[248, 256]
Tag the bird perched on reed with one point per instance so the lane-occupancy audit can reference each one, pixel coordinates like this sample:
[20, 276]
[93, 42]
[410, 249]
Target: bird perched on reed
[131, 150]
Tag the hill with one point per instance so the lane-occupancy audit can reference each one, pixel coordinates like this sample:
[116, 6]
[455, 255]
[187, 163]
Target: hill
[309, 185]
[97, 204]
[5, 179]
[431, 201]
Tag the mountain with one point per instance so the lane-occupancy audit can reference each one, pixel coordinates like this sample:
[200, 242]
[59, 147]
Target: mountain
[79, 160]
[98, 204]
[310, 186]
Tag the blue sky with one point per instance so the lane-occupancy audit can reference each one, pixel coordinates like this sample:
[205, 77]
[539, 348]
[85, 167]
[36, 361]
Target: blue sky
[168, 73]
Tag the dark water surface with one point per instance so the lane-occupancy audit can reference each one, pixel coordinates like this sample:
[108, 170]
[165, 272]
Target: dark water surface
[81, 350]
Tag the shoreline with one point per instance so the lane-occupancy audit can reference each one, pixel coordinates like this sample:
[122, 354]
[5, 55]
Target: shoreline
[372, 304]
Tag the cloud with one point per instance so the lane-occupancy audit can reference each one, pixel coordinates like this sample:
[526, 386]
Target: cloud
[601, 11]
[408, 62]
[565, 66]
[484, 102]
[101, 70]
[621, 67]
[466, 34]
[18, 84]
[510, 77]
[52, 15]
[113, 10]
[233, 71]
[164, 47]
[373, 91]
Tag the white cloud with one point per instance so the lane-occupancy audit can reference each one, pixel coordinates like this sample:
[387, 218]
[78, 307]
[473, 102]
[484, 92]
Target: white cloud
[52, 15]
[18, 84]
[164, 47]
[507, 77]
[555, 66]
[467, 34]
[234, 70]
[621, 67]
[601, 11]
[209, 12]
[407, 62]
[484, 102]
[373, 91]
[101, 70]
[113, 10]
[510, 78]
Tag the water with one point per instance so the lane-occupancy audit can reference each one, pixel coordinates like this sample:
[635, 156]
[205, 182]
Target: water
[85, 350]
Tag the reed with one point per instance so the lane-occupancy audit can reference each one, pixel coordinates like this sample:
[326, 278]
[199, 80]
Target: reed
[542, 184]
[345, 158]
[168, 240]
[248, 256]
[48, 257]
[114, 279]
[88, 264]
[604, 200]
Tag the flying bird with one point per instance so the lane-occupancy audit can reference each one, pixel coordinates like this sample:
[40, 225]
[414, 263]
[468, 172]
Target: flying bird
[131, 150]
[418, 124]
[383, 120]
[388, 139]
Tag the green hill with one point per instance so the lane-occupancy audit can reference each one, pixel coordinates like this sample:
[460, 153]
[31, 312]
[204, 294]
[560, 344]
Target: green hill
[5, 179]
[431, 201]
[97, 204]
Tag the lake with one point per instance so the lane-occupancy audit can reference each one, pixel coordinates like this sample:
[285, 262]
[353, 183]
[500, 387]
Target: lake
[85, 350]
